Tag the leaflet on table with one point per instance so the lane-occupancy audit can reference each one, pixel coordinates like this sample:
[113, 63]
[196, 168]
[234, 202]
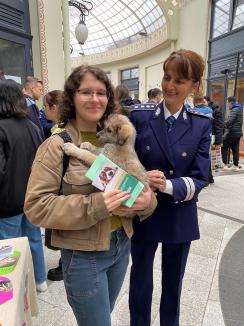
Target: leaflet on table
[6, 251]
[8, 259]
[106, 175]
[6, 289]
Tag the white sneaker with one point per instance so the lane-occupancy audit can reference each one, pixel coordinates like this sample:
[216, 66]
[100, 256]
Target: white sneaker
[226, 168]
[41, 287]
[235, 168]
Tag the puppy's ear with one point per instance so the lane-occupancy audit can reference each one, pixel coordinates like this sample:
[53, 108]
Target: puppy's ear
[124, 133]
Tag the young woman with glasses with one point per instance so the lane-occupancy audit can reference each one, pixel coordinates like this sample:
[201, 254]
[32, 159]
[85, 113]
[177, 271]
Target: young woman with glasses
[95, 243]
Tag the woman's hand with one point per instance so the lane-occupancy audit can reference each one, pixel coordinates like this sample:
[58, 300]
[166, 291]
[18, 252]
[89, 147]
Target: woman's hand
[142, 202]
[114, 198]
[157, 180]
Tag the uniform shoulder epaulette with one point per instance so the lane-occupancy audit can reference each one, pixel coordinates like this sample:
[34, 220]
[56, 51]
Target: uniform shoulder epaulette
[143, 107]
[199, 114]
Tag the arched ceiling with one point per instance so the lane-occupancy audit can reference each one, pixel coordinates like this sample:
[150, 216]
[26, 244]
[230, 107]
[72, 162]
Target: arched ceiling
[115, 23]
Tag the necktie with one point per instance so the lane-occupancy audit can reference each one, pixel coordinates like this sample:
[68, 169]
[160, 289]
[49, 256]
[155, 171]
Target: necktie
[170, 121]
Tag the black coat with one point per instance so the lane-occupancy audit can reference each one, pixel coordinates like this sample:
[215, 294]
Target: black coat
[234, 122]
[218, 124]
[19, 140]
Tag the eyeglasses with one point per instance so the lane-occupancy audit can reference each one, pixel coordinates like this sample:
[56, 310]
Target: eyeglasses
[88, 95]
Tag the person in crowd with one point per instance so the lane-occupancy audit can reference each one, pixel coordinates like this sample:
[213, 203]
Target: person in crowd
[217, 128]
[136, 99]
[51, 102]
[233, 133]
[46, 123]
[154, 95]
[19, 140]
[218, 124]
[2, 75]
[32, 90]
[173, 145]
[95, 242]
[201, 107]
[122, 96]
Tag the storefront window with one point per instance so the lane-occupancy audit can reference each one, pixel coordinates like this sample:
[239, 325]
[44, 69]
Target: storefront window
[240, 90]
[12, 60]
[238, 20]
[221, 17]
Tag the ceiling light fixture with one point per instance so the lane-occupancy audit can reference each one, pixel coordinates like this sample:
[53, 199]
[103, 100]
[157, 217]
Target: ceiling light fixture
[81, 31]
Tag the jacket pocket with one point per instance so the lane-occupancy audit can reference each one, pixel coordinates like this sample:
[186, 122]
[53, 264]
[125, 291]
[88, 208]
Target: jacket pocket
[75, 182]
[91, 234]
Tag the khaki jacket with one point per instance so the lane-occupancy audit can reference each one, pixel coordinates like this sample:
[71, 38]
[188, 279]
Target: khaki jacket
[78, 217]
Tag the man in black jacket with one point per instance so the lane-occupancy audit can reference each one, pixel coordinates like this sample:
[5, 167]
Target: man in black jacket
[233, 132]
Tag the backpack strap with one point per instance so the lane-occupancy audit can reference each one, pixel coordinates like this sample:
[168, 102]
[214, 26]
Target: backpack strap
[67, 139]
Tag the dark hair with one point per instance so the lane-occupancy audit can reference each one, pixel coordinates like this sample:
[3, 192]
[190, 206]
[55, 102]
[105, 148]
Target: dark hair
[187, 64]
[207, 98]
[197, 100]
[152, 93]
[67, 108]
[121, 92]
[54, 98]
[12, 101]
[231, 99]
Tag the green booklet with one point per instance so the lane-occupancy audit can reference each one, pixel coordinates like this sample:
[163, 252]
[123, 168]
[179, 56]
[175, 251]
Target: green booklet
[106, 175]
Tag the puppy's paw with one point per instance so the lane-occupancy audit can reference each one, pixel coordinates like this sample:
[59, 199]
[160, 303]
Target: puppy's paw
[70, 149]
[86, 145]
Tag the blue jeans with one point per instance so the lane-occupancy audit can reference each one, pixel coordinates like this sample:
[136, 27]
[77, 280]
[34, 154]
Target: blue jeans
[93, 279]
[19, 226]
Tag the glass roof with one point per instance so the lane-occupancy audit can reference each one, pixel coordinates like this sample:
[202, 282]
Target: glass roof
[115, 23]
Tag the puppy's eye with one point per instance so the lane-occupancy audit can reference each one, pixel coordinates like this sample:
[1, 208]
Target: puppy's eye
[109, 130]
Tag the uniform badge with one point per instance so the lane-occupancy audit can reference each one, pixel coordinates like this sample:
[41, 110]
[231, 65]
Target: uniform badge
[184, 115]
[157, 112]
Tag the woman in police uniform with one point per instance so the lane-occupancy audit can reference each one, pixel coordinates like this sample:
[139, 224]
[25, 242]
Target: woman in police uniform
[173, 145]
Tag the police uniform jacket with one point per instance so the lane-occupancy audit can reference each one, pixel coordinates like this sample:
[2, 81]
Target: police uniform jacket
[183, 156]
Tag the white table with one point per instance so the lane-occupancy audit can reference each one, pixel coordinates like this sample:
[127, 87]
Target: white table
[18, 311]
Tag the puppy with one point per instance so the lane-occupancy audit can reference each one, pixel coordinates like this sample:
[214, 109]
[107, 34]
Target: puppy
[118, 137]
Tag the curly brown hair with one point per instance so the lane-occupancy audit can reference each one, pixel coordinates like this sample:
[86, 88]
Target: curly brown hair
[67, 108]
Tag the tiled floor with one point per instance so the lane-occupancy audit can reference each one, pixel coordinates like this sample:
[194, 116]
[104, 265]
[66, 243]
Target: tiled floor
[213, 289]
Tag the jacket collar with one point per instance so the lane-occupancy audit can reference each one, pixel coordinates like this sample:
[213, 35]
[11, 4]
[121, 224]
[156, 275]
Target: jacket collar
[74, 132]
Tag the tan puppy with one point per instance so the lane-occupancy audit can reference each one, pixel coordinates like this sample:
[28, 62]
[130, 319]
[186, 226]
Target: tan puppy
[118, 138]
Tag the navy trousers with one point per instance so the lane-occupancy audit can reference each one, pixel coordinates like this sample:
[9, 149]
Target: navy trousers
[174, 258]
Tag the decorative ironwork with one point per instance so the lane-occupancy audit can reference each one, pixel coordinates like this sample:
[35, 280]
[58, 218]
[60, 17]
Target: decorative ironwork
[84, 7]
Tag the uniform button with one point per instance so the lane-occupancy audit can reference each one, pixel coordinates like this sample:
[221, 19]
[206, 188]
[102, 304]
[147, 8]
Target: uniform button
[147, 148]
[171, 172]
[184, 154]
[176, 202]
